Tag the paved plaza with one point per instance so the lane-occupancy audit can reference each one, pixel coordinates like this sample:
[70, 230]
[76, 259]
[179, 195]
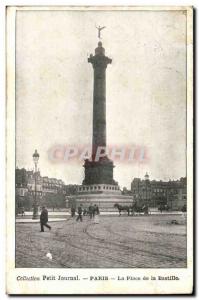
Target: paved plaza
[116, 242]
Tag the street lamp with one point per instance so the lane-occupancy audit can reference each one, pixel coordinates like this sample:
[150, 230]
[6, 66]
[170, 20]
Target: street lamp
[146, 186]
[35, 205]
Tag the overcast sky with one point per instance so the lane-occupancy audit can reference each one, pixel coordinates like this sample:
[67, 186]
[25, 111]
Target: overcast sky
[146, 88]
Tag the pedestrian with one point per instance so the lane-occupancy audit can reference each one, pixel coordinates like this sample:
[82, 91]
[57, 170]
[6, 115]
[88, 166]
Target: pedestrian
[22, 212]
[90, 211]
[79, 211]
[96, 215]
[97, 210]
[93, 210]
[72, 212]
[44, 219]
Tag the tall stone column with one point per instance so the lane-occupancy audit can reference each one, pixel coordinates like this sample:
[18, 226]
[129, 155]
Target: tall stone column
[99, 62]
[101, 171]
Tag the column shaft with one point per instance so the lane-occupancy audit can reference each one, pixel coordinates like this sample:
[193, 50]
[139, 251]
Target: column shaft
[99, 108]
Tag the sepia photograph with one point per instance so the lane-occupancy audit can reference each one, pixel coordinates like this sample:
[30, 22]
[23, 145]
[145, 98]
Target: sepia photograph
[99, 148]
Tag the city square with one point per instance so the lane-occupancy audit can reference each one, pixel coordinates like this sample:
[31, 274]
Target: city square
[115, 198]
[153, 241]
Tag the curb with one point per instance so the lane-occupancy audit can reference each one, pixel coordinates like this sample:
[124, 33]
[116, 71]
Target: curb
[38, 221]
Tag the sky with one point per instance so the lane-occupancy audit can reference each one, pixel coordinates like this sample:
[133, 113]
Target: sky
[145, 88]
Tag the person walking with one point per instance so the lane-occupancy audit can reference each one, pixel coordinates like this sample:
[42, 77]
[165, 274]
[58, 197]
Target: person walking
[44, 219]
[79, 211]
[22, 211]
[72, 212]
[97, 210]
[90, 211]
[96, 214]
[93, 211]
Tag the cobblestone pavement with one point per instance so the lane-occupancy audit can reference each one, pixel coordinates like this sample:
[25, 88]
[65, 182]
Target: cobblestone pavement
[116, 242]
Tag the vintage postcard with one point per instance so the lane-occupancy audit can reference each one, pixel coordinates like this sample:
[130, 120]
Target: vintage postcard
[99, 150]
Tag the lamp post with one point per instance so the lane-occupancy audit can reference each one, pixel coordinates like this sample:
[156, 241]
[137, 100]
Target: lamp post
[146, 186]
[35, 205]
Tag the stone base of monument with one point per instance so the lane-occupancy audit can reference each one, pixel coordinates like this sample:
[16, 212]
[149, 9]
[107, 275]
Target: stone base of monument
[105, 201]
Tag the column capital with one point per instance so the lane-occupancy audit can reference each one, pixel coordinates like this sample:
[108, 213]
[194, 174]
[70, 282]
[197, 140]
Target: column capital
[99, 61]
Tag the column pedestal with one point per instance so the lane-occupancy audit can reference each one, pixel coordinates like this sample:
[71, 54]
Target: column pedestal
[100, 172]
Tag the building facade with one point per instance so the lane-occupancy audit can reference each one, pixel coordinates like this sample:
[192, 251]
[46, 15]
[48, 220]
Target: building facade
[21, 182]
[49, 191]
[156, 193]
[52, 185]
